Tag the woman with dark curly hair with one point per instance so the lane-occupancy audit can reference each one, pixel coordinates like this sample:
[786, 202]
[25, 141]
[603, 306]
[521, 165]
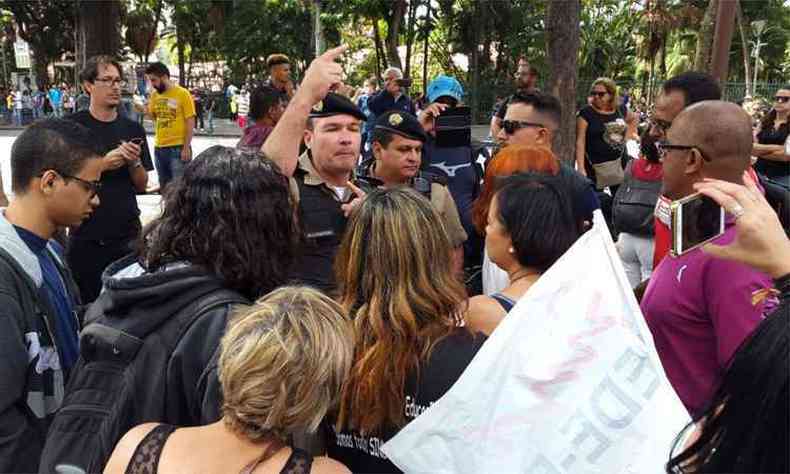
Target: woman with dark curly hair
[231, 213]
[226, 236]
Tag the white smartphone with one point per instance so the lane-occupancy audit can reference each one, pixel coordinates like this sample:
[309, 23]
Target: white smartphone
[696, 220]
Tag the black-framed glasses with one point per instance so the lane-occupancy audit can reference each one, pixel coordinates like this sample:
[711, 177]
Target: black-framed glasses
[93, 187]
[512, 126]
[598, 94]
[658, 124]
[110, 81]
[665, 147]
[782, 98]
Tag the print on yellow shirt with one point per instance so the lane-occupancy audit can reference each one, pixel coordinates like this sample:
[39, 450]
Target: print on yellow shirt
[171, 110]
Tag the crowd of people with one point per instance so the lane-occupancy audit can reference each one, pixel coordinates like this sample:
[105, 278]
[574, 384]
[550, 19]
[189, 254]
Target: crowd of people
[306, 294]
[23, 105]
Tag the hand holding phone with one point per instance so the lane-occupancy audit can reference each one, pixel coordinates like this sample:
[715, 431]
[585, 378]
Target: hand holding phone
[760, 241]
[696, 220]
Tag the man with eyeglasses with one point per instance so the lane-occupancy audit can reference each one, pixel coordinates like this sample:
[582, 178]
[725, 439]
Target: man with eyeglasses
[700, 307]
[110, 232]
[173, 110]
[526, 80]
[55, 171]
[677, 93]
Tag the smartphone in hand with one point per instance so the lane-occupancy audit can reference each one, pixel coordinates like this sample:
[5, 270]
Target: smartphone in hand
[696, 220]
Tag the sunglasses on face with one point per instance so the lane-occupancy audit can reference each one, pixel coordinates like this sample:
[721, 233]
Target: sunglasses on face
[664, 147]
[782, 99]
[598, 94]
[512, 126]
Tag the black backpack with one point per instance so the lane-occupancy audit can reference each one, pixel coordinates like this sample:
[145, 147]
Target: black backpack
[634, 205]
[103, 397]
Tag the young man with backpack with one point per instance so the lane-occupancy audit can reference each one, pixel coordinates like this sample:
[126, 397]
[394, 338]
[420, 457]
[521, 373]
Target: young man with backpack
[148, 351]
[55, 174]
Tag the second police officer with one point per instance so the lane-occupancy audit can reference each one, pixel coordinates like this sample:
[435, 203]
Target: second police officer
[398, 139]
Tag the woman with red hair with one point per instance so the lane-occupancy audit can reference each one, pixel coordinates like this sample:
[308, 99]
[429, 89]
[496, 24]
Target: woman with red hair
[511, 160]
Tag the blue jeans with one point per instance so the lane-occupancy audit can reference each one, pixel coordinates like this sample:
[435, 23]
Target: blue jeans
[210, 120]
[168, 164]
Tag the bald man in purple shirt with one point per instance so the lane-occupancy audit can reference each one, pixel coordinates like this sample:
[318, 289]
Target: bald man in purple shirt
[700, 308]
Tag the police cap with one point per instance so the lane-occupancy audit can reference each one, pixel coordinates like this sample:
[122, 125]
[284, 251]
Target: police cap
[336, 104]
[401, 123]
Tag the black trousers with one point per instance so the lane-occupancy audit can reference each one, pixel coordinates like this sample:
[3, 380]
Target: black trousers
[88, 259]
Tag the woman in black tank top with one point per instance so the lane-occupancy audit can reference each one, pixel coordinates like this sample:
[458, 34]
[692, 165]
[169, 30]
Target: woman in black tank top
[270, 391]
[530, 225]
[773, 159]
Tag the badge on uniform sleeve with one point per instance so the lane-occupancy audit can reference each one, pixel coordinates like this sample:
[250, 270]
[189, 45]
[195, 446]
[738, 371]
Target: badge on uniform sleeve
[395, 120]
[319, 106]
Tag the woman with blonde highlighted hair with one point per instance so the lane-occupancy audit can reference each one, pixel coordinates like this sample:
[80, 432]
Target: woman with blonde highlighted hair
[281, 367]
[398, 286]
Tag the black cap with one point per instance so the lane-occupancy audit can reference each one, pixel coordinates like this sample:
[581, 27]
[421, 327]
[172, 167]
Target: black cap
[336, 104]
[402, 123]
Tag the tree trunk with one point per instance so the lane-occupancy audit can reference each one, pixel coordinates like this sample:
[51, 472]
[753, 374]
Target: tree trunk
[413, 4]
[425, 50]
[722, 40]
[182, 77]
[474, 92]
[99, 24]
[157, 18]
[563, 35]
[393, 32]
[705, 38]
[381, 57]
[40, 61]
[747, 65]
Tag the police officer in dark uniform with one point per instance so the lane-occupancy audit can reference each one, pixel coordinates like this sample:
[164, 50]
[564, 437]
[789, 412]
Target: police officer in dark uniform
[333, 137]
[398, 139]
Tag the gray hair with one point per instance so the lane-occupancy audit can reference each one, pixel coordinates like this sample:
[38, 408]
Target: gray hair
[393, 70]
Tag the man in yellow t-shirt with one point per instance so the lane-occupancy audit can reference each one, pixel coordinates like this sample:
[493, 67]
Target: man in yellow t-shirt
[173, 111]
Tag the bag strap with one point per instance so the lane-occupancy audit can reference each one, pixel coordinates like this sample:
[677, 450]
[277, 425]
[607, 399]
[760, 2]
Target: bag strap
[207, 302]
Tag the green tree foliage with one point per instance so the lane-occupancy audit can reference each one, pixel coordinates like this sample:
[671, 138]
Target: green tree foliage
[255, 29]
[47, 25]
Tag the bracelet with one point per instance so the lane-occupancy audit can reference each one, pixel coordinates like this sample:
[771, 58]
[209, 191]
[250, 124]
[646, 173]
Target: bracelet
[135, 164]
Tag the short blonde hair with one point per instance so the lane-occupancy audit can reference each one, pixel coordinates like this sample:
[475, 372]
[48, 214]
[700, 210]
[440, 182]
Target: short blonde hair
[283, 362]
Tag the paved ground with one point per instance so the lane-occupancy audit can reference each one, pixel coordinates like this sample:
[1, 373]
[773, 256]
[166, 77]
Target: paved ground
[224, 128]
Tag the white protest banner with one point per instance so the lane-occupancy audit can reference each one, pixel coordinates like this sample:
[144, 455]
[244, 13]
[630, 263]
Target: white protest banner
[569, 382]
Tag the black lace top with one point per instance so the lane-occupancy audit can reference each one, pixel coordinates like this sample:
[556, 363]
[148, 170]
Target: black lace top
[146, 456]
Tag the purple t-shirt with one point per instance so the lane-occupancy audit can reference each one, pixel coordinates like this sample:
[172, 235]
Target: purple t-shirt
[699, 309]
